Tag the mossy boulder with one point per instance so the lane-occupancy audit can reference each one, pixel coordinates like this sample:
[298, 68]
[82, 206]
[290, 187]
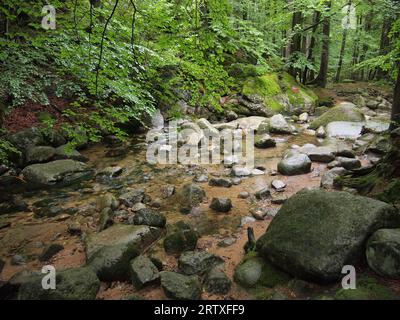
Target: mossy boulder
[181, 238]
[180, 287]
[109, 252]
[316, 232]
[280, 93]
[383, 253]
[342, 112]
[71, 284]
[255, 271]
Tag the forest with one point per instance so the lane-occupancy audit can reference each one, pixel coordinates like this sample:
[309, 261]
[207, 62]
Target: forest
[200, 149]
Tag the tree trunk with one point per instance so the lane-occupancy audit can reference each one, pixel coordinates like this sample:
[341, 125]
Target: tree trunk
[295, 46]
[396, 103]
[343, 47]
[367, 29]
[310, 55]
[384, 46]
[322, 78]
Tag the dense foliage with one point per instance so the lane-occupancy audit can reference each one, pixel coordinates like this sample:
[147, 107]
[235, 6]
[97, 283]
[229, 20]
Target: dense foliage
[122, 59]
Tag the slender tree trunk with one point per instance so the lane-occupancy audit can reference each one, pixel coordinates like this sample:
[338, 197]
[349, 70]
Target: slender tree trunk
[367, 29]
[396, 103]
[343, 47]
[310, 55]
[295, 46]
[356, 51]
[322, 78]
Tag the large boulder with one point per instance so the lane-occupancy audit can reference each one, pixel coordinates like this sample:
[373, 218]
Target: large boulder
[71, 284]
[318, 154]
[278, 124]
[180, 240]
[207, 128]
[109, 252]
[294, 164]
[180, 287]
[27, 138]
[59, 172]
[66, 152]
[342, 112]
[383, 252]
[317, 232]
[39, 154]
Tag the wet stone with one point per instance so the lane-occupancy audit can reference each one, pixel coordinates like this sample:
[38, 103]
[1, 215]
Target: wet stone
[197, 262]
[221, 204]
[220, 182]
[278, 185]
[143, 272]
[217, 282]
[263, 194]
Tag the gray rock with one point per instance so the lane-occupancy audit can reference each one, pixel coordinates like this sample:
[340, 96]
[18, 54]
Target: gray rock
[150, 218]
[278, 124]
[231, 116]
[347, 163]
[110, 172]
[217, 282]
[295, 164]
[221, 204]
[263, 128]
[328, 178]
[197, 262]
[59, 172]
[50, 251]
[263, 194]
[207, 127]
[180, 240]
[106, 201]
[39, 154]
[132, 197]
[72, 284]
[67, 152]
[264, 142]
[278, 185]
[248, 273]
[318, 154]
[321, 133]
[227, 242]
[105, 219]
[180, 287]
[190, 196]
[220, 182]
[143, 272]
[27, 138]
[239, 171]
[246, 220]
[244, 195]
[168, 191]
[383, 253]
[316, 232]
[110, 251]
[202, 178]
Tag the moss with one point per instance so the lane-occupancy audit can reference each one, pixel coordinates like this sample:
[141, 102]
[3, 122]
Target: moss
[288, 82]
[363, 184]
[271, 276]
[391, 194]
[339, 113]
[265, 86]
[368, 288]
